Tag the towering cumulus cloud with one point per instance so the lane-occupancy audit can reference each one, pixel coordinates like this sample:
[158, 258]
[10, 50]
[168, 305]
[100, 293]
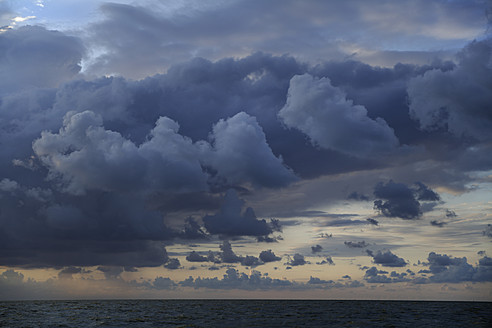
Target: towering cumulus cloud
[241, 154]
[332, 121]
[83, 155]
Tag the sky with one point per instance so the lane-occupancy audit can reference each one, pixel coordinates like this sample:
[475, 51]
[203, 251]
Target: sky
[246, 149]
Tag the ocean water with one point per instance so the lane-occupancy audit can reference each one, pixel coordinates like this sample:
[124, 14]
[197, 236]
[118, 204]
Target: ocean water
[244, 313]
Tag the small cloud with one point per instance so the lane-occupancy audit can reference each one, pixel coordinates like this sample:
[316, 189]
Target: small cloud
[328, 260]
[269, 256]
[450, 214]
[488, 231]
[387, 259]
[297, 260]
[372, 221]
[359, 244]
[316, 249]
[436, 223]
[172, 264]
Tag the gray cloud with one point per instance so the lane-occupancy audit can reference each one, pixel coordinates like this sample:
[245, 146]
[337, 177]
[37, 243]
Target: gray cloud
[448, 106]
[387, 259]
[375, 276]
[439, 224]
[151, 39]
[399, 200]
[446, 268]
[172, 264]
[235, 280]
[488, 231]
[230, 221]
[316, 249]
[328, 260]
[297, 260]
[269, 256]
[84, 155]
[354, 244]
[118, 157]
[195, 257]
[33, 56]
[240, 154]
[320, 110]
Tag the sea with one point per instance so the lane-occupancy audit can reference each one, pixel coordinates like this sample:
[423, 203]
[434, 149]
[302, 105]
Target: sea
[244, 313]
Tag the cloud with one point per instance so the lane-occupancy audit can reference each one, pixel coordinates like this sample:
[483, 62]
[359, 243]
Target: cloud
[161, 283]
[68, 272]
[227, 255]
[322, 30]
[332, 121]
[33, 56]
[297, 260]
[195, 257]
[375, 276]
[235, 280]
[231, 222]
[84, 156]
[387, 259]
[111, 272]
[439, 224]
[172, 264]
[441, 100]
[488, 231]
[372, 221]
[446, 268]
[316, 249]
[399, 200]
[358, 244]
[269, 256]
[240, 154]
[328, 260]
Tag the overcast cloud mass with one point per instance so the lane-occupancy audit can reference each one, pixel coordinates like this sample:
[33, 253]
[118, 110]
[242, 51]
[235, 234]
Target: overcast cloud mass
[314, 148]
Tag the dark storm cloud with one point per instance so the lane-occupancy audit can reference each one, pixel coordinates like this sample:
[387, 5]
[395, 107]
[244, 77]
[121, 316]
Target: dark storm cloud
[151, 40]
[91, 169]
[387, 259]
[399, 200]
[441, 100]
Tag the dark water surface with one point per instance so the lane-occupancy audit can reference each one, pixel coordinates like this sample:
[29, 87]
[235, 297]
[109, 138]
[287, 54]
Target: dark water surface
[244, 313]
